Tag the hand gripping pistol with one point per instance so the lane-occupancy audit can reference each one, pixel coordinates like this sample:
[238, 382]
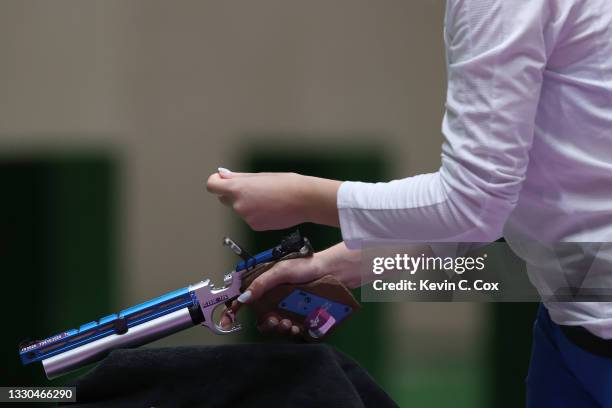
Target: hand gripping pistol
[320, 306]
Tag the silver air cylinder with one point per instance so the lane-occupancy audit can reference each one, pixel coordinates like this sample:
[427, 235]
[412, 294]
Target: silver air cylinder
[135, 336]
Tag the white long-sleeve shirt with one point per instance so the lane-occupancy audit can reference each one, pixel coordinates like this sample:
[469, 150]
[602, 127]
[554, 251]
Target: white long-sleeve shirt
[528, 140]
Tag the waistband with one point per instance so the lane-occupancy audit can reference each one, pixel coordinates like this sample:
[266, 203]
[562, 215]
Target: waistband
[587, 341]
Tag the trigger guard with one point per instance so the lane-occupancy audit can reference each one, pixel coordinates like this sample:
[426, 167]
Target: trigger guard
[216, 327]
[210, 298]
[220, 330]
[235, 328]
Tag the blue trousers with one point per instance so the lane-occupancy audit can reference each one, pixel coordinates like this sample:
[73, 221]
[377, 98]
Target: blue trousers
[562, 375]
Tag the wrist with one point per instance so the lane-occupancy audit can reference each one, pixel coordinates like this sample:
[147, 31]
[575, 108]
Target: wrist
[342, 263]
[319, 200]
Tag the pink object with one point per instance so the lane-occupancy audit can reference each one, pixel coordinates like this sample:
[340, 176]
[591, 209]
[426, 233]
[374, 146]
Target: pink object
[319, 322]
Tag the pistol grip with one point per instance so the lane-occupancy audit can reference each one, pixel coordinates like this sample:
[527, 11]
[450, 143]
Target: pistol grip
[300, 302]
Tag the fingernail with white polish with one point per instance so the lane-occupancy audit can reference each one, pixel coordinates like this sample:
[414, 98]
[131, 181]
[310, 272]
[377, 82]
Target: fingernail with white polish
[223, 170]
[243, 298]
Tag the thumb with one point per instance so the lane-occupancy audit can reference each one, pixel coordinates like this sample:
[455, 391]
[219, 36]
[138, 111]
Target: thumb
[299, 270]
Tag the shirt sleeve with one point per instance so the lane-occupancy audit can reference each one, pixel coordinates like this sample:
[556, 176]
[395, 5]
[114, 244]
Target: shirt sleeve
[496, 53]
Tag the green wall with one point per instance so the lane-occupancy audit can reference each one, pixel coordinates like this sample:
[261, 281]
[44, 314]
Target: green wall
[58, 252]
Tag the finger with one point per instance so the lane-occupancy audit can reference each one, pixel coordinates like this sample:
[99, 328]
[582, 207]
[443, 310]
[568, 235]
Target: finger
[228, 316]
[226, 321]
[295, 330]
[270, 323]
[215, 184]
[284, 326]
[235, 306]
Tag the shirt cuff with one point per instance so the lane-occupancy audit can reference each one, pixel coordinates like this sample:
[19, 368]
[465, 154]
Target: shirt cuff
[348, 225]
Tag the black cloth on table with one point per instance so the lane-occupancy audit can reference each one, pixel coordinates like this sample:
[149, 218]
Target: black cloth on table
[242, 375]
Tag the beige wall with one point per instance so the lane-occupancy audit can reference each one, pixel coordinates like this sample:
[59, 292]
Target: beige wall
[175, 86]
